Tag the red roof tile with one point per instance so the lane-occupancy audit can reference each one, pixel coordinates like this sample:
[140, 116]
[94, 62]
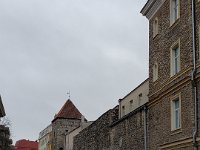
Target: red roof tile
[68, 111]
[26, 145]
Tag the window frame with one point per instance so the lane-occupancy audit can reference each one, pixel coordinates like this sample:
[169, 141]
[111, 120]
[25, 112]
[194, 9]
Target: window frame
[174, 18]
[173, 113]
[173, 63]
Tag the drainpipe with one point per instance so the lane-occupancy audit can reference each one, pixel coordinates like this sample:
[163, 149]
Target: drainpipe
[145, 128]
[194, 86]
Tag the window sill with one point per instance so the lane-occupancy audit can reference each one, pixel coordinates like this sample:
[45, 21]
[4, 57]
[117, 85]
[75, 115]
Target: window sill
[155, 81]
[154, 36]
[176, 131]
[172, 25]
[175, 75]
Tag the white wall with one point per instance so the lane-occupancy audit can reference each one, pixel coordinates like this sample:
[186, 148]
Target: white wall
[143, 89]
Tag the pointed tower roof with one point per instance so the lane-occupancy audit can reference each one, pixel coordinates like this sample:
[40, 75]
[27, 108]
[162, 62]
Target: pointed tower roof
[68, 111]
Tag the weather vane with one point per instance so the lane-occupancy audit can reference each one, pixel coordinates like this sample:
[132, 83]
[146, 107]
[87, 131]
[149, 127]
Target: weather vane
[68, 93]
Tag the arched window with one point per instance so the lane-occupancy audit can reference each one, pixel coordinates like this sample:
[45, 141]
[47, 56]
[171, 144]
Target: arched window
[155, 71]
[155, 27]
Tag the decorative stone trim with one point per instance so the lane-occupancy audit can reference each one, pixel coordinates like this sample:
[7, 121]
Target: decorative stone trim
[151, 7]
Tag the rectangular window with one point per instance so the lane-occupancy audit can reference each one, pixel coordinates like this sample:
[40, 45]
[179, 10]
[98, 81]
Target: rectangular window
[140, 96]
[175, 59]
[131, 106]
[123, 111]
[176, 114]
[139, 99]
[174, 10]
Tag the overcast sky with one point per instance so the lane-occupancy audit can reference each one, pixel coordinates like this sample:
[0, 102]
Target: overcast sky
[97, 49]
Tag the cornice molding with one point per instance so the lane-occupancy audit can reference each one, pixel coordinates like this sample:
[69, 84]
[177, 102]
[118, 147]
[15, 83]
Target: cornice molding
[151, 7]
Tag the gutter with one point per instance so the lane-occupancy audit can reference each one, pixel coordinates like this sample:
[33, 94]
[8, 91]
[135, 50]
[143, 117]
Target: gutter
[194, 85]
[145, 128]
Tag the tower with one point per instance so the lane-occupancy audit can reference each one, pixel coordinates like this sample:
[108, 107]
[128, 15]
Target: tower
[66, 120]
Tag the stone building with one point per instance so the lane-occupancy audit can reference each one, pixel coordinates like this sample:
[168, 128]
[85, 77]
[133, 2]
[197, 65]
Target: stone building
[121, 128]
[134, 99]
[170, 118]
[97, 135]
[67, 119]
[173, 73]
[69, 139]
[45, 138]
[129, 131]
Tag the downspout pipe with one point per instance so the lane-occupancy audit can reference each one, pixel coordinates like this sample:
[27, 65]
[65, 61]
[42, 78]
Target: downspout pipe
[145, 128]
[194, 85]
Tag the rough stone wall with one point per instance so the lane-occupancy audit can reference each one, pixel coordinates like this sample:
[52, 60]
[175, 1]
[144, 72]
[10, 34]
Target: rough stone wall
[97, 135]
[128, 132]
[159, 119]
[166, 87]
[160, 45]
[59, 128]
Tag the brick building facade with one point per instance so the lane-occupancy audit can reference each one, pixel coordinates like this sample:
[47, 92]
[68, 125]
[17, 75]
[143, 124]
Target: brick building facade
[171, 108]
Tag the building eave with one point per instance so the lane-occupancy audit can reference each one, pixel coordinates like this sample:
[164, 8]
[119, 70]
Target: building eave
[151, 7]
[147, 7]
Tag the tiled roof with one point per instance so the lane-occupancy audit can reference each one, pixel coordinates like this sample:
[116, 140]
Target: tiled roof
[26, 145]
[68, 111]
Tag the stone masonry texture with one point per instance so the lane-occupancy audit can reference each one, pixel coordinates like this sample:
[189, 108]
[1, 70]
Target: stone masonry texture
[59, 128]
[97, 135]
[128, 132]
[162, 91]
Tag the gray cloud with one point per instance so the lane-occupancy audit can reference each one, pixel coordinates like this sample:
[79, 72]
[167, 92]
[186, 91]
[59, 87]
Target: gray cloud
[97, 49]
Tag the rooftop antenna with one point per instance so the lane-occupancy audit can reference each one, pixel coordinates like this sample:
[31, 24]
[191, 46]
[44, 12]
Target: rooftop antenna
[68, 93]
